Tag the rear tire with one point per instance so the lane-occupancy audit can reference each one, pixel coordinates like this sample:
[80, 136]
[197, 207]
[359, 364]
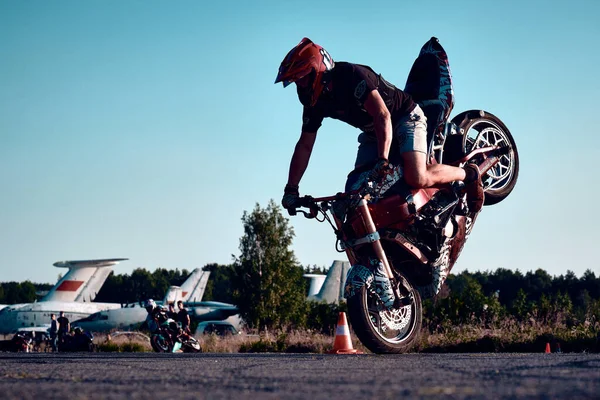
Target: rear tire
[385, 332]
[480, 129]
[191, 345]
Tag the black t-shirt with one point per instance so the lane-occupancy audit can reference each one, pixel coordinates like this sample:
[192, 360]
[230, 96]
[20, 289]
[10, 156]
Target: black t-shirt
[63, 322]
[350, 85]
[182, 316]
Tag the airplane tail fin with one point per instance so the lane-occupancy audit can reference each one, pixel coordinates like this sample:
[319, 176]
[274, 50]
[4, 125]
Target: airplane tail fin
[332, 288]
[83, 280]
[172, 296]
[195, 285]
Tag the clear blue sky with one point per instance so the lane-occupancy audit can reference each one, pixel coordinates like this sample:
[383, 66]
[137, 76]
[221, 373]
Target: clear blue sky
[144, 129]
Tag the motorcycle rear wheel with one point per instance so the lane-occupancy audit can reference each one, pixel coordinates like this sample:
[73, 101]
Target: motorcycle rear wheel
[483, 129]
[191, 345]
[385, 332]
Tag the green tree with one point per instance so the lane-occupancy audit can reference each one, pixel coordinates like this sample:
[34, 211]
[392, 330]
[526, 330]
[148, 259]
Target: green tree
[27, 291]
[267, 284]
[520, 306]
[218, 287]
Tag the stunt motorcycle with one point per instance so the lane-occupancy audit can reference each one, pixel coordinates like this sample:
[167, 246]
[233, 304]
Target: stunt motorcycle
[162, 339]
[402, 245]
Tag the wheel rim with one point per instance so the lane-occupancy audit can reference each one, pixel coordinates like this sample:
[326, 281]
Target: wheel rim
[393, 326]
[487, 133]
[161, 343]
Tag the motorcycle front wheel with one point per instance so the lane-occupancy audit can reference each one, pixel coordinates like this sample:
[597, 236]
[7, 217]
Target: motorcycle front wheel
[385, 332]
[480, 129]
[160, 344]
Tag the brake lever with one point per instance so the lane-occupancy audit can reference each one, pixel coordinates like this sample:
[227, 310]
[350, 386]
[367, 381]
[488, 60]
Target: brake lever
[308, 215]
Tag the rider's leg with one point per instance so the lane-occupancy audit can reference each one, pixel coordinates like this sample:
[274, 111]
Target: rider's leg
[411, 142]
[366, 156]
[419, 174]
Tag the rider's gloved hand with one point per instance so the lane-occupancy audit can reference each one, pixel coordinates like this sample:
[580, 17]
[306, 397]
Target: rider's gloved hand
[291, 199]
[474, 187]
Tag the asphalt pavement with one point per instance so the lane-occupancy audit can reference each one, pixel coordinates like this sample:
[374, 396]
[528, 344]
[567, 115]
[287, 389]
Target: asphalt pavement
[298, 376]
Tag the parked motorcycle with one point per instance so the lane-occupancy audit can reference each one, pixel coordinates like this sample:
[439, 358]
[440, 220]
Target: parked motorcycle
[79, 340]
[401, 242]
[169, 338]
[21, 341]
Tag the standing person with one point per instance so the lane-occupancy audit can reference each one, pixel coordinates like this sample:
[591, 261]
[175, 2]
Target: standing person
[64, 326]
[171, 313]
[54, 325]
[183, 317]
[394, 128]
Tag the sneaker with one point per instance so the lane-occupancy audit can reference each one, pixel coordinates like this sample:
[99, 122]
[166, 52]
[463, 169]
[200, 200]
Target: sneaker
[383, 286]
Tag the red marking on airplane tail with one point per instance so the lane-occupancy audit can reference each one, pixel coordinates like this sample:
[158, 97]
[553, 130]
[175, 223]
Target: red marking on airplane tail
[183, 294]
[69, 286]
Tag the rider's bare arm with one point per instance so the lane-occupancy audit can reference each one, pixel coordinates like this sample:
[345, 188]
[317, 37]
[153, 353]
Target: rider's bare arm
[382, 120]
[301, 156]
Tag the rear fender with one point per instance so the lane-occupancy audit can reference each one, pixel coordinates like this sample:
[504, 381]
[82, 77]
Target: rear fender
[358, 276]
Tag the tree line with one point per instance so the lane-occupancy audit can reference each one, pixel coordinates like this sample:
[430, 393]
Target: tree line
[265, 282]
[492, 297]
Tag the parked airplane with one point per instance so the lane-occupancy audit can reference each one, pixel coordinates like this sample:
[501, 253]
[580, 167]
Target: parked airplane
[38, 314]
[329, 288]
[72, 294]
[127, 317]
[133, 315]
[195, 285]
[83, 280]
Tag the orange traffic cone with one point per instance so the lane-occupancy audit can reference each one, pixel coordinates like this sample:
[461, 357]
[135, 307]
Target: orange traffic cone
[342, 343]
[548, 348]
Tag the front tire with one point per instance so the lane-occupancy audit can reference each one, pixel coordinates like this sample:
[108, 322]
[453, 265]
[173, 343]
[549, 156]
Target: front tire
[480, 129]
[160, 344]
[385, 332]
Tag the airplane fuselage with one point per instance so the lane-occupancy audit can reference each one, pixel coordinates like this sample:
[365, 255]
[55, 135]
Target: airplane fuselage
[133, 316]
[18, 316]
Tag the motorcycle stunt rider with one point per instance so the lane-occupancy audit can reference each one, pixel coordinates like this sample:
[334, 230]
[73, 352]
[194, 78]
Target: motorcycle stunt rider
[156, 317]
[394, 128]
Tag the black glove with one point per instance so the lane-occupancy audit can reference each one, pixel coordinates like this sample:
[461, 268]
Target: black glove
[380, 170]
[474, 188]
[291, 199]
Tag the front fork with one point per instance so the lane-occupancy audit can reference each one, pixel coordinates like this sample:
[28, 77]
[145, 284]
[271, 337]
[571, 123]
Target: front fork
[372, 236]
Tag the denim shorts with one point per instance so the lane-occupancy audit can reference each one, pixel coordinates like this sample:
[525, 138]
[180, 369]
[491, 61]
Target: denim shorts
[409, 134]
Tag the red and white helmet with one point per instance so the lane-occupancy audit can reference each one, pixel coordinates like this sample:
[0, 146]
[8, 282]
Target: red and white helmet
[305, 59]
